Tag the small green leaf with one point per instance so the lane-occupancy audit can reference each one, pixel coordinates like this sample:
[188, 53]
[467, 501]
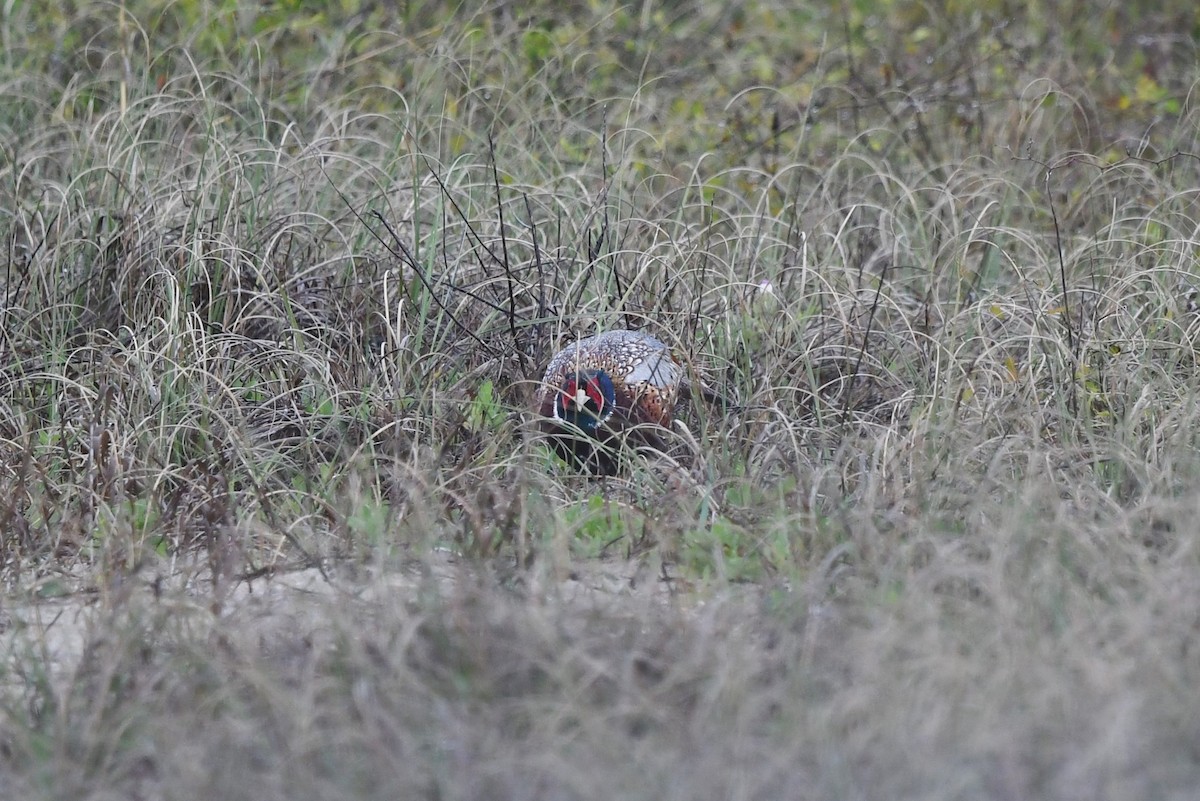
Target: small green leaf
[485, 413]
[538, 46]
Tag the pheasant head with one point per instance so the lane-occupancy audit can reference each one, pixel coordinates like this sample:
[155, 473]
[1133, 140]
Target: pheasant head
[585, 399]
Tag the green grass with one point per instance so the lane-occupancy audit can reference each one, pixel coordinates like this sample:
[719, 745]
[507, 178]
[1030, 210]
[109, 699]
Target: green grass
[280, 281]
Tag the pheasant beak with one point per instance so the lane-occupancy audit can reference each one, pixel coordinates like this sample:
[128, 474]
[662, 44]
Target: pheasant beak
[580, 399]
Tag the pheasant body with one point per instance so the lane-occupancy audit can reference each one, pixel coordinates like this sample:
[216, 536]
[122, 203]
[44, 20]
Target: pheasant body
[605, 388]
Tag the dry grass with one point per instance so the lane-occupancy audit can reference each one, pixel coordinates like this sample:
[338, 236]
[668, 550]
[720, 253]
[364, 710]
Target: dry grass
[277, 285]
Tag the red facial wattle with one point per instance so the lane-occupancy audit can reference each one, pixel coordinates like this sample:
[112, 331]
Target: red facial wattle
[566, 398]
[592, 388]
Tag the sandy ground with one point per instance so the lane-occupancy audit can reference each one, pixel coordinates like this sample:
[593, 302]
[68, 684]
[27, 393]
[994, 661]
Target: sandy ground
[55, 631]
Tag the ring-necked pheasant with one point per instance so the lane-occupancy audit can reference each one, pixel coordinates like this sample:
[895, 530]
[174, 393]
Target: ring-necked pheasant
[605, 389]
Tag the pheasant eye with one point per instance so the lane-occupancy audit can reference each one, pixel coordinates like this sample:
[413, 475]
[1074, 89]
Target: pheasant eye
[566, 395]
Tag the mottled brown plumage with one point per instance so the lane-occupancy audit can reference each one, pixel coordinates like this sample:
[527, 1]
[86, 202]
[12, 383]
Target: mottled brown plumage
[615, 387]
